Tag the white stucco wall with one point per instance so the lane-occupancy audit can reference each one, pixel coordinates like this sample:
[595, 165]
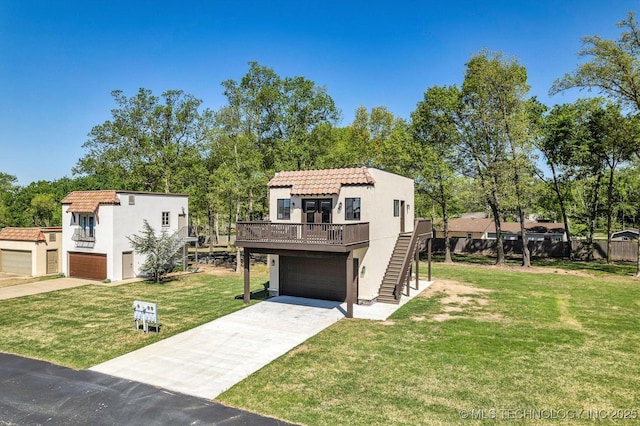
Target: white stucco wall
[130, 220]
[114, 223]
[377, 208]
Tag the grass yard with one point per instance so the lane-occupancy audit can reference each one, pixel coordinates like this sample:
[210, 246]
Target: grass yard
[486, 342]
[84, 326]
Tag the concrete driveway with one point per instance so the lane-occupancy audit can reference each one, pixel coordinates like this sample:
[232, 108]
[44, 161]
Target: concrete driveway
[207, 360]
[45, 286]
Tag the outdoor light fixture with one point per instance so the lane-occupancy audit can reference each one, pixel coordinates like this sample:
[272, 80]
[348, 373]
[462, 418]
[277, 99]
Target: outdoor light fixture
[273, 262]
[339, 206]
[362, 271]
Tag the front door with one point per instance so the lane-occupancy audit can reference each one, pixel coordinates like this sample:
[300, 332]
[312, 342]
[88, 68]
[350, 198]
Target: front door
[127, 265]
[52, 261]
[317, 211]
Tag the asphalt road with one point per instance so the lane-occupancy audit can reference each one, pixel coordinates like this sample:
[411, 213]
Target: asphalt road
[35, 392]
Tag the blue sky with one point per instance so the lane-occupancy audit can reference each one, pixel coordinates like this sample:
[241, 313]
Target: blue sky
[59, 61]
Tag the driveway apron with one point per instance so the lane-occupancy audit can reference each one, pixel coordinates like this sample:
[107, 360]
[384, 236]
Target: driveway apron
[209, 359]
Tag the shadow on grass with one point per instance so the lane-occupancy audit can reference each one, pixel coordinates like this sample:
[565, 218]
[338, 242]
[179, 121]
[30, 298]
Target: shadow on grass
[594, 266]
[257, 294]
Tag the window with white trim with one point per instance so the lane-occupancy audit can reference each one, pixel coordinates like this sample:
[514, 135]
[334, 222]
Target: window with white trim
[165, 218]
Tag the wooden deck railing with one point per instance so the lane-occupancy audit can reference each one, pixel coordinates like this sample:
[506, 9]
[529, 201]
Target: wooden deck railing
[303, 233]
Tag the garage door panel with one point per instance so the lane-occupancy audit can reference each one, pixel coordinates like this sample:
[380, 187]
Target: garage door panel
[312, 277]
[88, 265]
[16, 262]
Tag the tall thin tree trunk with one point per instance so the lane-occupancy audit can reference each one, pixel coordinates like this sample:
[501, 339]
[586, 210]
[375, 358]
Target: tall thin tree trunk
[216, 227]
[526, 256]
[212, 218]
[445, 221]
[609, 211]
[563, 210]
[238, 256]
[592, 217]
[499, 243]
[638, 258]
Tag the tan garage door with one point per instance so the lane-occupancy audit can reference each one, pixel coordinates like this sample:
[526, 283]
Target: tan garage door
[16, 262]
[88, 265]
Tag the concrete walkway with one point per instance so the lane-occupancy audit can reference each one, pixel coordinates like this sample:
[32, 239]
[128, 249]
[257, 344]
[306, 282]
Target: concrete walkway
[207, 360]
[45, 286]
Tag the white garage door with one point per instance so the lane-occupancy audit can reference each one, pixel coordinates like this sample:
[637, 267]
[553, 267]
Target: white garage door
[16, 262]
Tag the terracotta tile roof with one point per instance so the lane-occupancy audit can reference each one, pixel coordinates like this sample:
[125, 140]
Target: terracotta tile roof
[22, 234]
[321, 182]
[88, 201]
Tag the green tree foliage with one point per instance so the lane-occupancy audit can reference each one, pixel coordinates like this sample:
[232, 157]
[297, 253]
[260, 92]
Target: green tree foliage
[434, 126]
[492, 121]
[160, 251]
[149, 144]
[612, 68]
[44, 209]
[7, 186]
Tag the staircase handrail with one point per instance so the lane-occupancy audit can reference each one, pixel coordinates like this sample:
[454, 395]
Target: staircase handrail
[419, 229]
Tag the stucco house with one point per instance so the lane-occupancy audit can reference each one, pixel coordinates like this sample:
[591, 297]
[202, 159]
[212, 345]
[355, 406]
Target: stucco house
[484, 229]
[31, 251]
[336, 234]
[96, 224]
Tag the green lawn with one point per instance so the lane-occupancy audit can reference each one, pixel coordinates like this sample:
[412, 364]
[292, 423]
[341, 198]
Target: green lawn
[84, 326]
[509, 340]
[513, 341]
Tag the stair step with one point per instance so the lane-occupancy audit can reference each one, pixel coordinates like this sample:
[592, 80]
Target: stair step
[388, 301]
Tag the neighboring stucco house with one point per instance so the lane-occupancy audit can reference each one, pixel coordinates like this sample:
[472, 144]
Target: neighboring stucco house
[31, 251]
[331, 233]
[484, 229]
[96, 224]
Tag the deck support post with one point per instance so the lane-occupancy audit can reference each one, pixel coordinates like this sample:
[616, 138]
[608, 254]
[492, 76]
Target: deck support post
[429, 258]
[418, 267]
[247, 278]
[350, 292]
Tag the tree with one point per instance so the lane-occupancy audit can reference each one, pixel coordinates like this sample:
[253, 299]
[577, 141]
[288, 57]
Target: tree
[7, 186]
[558, 132]
[613, 69]
[44, 208]
[160, 250]
[434, 126]
[149, 144]
[269, 123]
[493, 120]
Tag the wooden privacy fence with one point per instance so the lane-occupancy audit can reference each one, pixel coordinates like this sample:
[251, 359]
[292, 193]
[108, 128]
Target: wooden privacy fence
[620, 250]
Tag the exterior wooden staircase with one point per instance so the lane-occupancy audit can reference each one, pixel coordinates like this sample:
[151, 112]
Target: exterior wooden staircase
[399, 266]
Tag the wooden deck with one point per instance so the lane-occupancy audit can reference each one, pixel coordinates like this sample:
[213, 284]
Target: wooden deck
[339, 237]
